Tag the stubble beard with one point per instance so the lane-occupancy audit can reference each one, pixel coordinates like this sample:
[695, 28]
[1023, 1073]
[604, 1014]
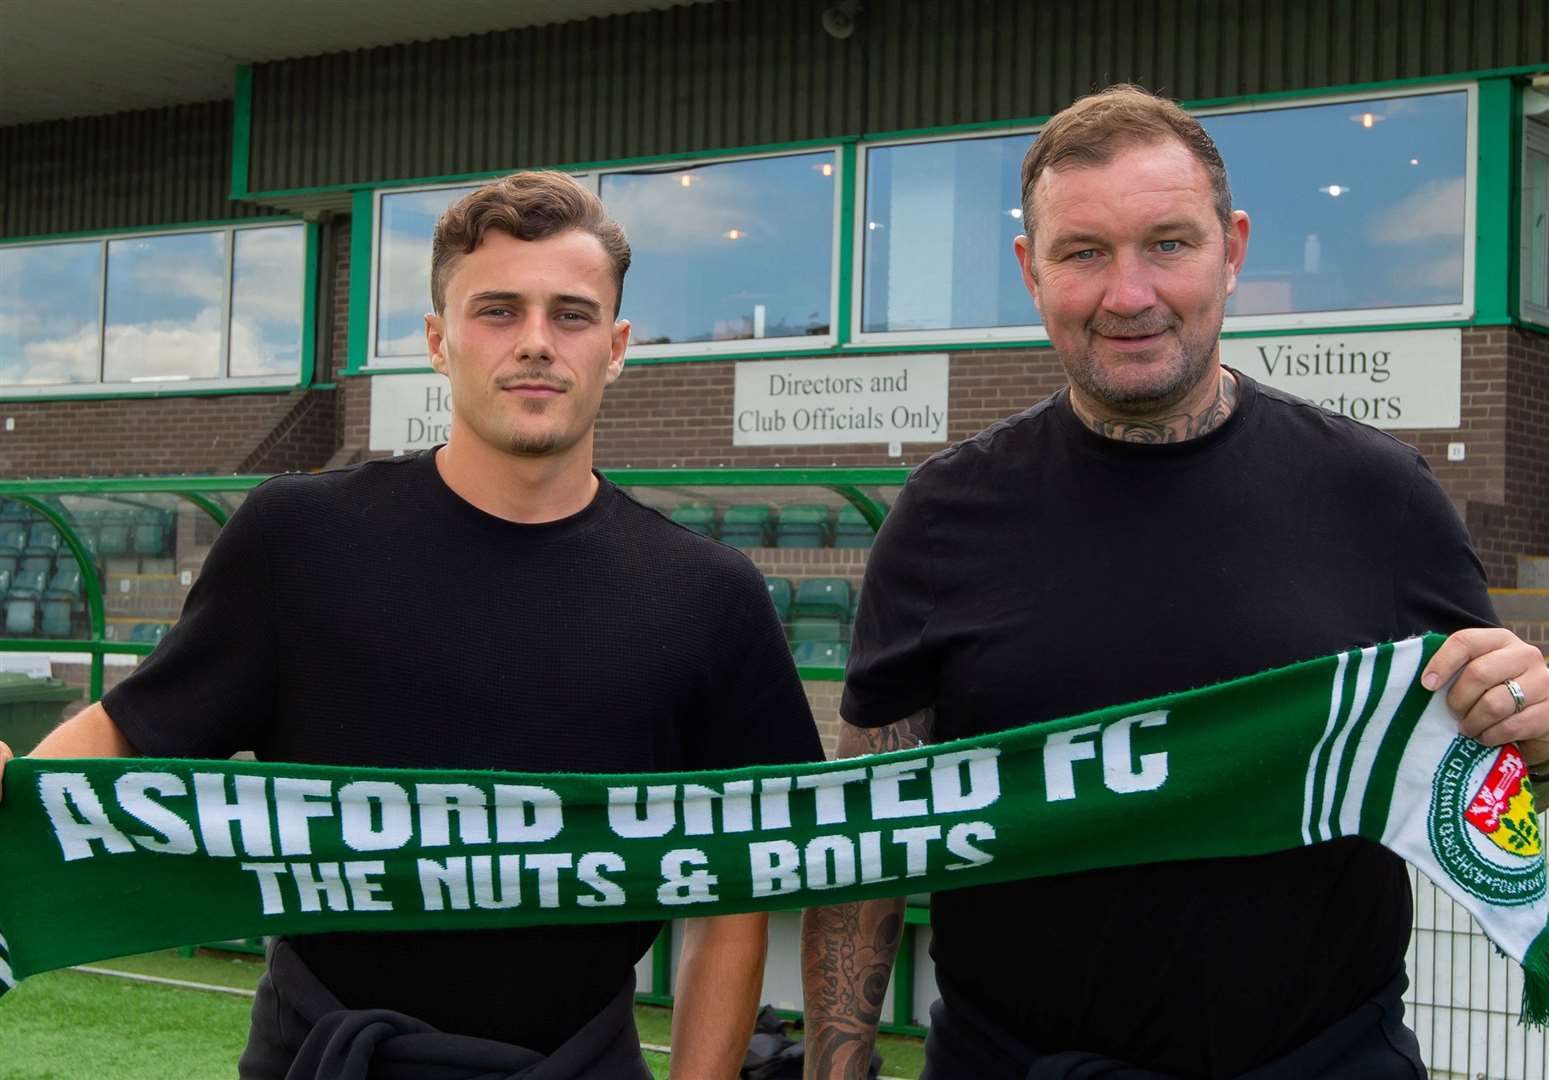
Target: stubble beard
[528, 444]
[1192, 364]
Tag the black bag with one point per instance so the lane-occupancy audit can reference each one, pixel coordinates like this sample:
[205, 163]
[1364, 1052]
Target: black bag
[774, 1055]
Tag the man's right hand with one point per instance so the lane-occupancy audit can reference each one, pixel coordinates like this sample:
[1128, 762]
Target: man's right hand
[5, 755]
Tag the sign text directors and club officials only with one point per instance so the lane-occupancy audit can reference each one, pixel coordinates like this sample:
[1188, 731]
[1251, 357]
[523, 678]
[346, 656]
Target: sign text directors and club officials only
[859, 399]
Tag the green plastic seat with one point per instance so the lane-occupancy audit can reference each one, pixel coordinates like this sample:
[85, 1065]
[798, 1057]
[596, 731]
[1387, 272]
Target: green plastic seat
[66, 582]
[822, 596]
[803, 525]
[13, 538]
[747, 514]
[43, 539]
[150, 533]
[816, 628]
[851, 529]
[780, 593]
[700, 519]
[821, 654]
[29, 583]
[21, 616]
[113, 537]
[56, 618]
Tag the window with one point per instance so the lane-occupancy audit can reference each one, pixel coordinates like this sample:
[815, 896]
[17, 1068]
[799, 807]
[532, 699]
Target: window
[1362, 213]
[402, 291]
[197, 309]
[727, 256]
[1360, 209]
[730, 256]
[1535, 207]
[936, 236]
[50, 299]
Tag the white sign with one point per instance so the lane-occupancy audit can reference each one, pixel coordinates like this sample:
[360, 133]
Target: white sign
[1399, 379]
[410, 412]
[852, 399]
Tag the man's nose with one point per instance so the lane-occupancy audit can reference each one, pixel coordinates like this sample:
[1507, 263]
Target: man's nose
[1130, 287]
[535, 341]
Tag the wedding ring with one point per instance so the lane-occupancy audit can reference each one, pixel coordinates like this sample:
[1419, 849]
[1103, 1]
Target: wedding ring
[1519, 699]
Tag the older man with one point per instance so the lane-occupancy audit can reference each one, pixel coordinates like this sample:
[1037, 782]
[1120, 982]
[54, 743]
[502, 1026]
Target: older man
[1161, 523]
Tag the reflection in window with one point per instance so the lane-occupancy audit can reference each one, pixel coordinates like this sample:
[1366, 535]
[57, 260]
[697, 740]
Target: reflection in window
[268, 270]
[49, 300]
[164, 307]
[1354, 205]
[728, 251]
[403, 268]
[940, 219]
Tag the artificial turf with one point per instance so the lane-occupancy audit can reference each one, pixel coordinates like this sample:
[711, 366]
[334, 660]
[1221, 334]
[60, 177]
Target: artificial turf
[67, 1025]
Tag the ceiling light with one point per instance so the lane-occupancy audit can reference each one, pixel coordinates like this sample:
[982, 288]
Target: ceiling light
[685, 180]
[1368, 119]
[827, 169]
[734, 234]
[1335, 190]
[1414, 161]
[1016, 212]
[873, 225]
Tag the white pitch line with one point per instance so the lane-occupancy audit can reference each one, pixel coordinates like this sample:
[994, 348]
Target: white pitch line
[159, 981]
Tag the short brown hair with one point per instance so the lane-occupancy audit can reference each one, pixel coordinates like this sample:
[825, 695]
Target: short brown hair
[1095, 128]
[528, 206]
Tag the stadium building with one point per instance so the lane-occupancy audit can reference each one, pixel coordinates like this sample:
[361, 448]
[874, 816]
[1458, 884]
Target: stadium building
[215, 230]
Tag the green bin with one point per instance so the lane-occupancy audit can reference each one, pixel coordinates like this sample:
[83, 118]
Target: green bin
[30, 708]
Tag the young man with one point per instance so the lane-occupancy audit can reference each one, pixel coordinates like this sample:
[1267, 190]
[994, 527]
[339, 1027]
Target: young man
[1160, 524]
[492, 604]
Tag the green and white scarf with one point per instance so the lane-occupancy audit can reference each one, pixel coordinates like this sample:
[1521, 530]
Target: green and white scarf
[104, 858]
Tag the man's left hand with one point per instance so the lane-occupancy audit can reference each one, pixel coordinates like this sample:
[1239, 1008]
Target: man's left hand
[1486, 658]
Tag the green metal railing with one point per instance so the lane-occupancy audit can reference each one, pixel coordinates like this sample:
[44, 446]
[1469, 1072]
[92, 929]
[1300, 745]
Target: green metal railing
[42, 497]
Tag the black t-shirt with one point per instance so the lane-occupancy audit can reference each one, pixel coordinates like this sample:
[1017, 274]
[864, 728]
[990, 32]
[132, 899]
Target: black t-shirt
[372, 617]
[1040, 570]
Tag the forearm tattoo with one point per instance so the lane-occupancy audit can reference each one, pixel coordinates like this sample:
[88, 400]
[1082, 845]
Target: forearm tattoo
[848, 950]
[1176, 427]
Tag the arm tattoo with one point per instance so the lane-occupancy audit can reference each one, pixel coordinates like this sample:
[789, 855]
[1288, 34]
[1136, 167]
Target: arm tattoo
[1176, 427]
[847, 950]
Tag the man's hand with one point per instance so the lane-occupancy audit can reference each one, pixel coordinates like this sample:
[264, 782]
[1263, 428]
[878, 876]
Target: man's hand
[5, 755]
[1486, 658]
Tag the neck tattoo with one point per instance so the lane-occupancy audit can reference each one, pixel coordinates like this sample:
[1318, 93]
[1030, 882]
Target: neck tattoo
[1175, 427]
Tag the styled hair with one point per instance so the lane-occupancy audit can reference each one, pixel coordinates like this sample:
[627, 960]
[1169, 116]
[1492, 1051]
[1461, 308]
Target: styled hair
[1093, 130]
[527, 206]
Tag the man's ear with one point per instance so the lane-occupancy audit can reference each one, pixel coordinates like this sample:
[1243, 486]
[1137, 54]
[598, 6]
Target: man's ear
[1022, 246]
[617, 349]
[435, 341]
[1236, 248]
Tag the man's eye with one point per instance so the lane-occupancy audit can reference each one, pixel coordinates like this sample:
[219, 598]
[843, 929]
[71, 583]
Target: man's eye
[572, 317]
[1084, 255]
[498, 312]
[1168, 246]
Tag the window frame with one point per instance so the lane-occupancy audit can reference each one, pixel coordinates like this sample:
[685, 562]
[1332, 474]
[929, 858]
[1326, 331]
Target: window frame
[1535, 139]
[163, 386]
[1462, 311]
[591, 178]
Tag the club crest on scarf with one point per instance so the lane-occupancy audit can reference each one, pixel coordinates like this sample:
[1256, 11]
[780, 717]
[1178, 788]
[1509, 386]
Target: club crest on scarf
[1483, 828]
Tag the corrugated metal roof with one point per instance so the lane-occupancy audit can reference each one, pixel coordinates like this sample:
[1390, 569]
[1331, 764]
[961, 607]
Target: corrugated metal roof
[149, 167]
[649, 83]
[745, 74]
